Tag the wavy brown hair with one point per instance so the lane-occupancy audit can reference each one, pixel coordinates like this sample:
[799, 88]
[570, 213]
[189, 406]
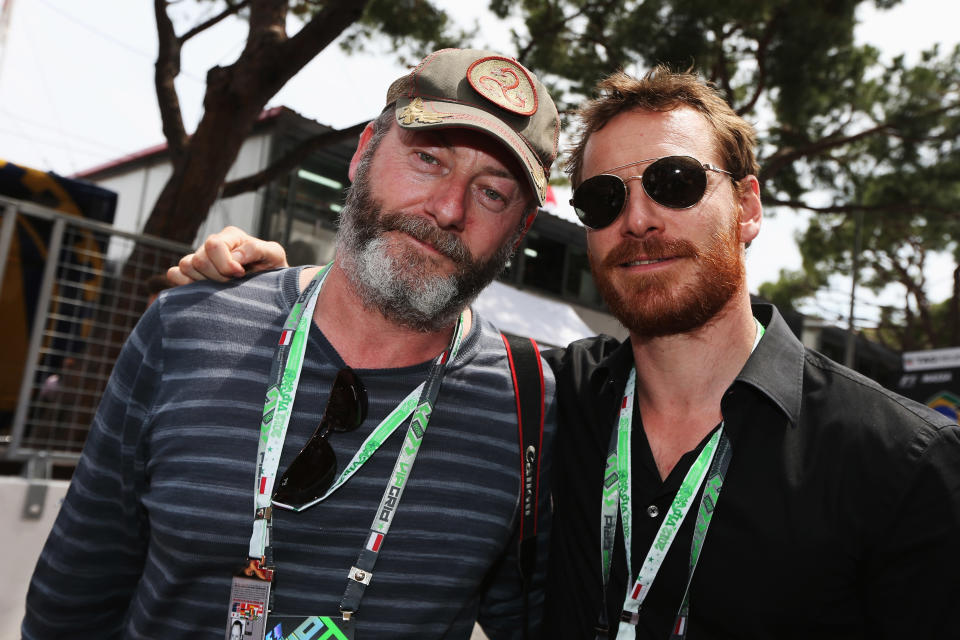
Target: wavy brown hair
[665, 90]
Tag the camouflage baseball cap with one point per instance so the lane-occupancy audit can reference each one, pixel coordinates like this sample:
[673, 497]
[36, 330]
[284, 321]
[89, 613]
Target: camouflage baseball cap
[488, 92]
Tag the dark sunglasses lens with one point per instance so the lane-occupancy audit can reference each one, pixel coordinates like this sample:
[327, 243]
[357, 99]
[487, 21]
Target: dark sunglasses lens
[347, 407]
[677, 182]
[309, 475]
[314, 469]
[599, 200]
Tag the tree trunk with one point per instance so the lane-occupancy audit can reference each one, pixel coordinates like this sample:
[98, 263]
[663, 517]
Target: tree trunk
[193, 187]
[234, 99]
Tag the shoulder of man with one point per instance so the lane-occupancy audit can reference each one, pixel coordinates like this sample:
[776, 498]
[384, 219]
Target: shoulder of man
[582, 355]
[262, 286]
[887, 441]
[833, 383]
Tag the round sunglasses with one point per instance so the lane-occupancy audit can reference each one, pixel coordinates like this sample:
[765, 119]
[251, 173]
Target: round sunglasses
[314, 469]
[676, 182]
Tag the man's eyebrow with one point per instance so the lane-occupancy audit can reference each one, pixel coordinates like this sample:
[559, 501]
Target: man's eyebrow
[437, 137]
[428, 137]
[500, 172]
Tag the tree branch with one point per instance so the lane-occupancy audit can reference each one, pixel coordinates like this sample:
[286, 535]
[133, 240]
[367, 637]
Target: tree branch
[852, 208]
[314, 37]
[289, 160]
[763, 44]
[784, 157]
[720, 67]
[552, 28]
[923, 305]
[166, 69]
[232, 9]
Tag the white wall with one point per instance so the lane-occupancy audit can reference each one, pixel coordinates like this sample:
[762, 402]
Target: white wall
[22, 541]
[138, 189]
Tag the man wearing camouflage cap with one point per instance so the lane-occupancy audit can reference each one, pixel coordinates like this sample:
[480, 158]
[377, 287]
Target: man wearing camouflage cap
[188, 475]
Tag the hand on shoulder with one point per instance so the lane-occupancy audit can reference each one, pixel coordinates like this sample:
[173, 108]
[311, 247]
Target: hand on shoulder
[229, 253]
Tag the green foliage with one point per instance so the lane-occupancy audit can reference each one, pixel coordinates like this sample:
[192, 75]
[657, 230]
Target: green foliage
[412, 27]
[791, 289]
[906, 180]
[840, 130]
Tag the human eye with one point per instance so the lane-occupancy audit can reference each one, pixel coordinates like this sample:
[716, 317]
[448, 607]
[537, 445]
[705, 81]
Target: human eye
[493, 198]
[426, 158]
[493, 195]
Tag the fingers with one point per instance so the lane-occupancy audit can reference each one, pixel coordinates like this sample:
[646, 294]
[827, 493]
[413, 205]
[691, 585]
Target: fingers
[218, 258]
[260, 255]
[181, 274]
[230, 253]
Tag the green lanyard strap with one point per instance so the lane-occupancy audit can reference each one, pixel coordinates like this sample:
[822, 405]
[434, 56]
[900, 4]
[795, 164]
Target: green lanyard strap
[284, 379]
[359, 576]
[278, 406]
[711, 466]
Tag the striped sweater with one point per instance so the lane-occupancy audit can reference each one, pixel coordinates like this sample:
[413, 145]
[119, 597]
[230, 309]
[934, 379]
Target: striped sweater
[159, 512]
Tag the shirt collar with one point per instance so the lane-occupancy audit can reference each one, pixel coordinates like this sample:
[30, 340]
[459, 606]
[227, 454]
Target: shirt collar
[775, 368]
[610, 374]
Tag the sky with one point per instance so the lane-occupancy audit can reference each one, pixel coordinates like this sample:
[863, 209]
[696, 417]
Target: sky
[76, 90]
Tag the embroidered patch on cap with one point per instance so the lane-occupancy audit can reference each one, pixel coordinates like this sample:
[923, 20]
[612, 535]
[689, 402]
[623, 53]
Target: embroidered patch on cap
[414, 113]
[505, 83]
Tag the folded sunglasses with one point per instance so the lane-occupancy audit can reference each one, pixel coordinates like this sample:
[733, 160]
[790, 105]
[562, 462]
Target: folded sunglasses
[314, 469]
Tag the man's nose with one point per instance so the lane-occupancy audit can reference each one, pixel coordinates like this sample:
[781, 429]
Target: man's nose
[641, 216]
[447, 202]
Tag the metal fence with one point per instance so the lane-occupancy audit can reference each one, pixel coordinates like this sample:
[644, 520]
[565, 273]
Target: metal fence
[74, 288]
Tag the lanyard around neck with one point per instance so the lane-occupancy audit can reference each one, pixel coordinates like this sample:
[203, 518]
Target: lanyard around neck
[711, 464]
[278, 406]
[284, 380]
[360, 575]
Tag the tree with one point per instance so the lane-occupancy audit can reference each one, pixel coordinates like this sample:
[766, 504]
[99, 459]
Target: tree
[906, 184]
[840, 132]
[236, 94]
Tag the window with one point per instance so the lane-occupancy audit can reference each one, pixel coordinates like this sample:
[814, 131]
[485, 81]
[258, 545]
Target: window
[301, 212]
[553, 259]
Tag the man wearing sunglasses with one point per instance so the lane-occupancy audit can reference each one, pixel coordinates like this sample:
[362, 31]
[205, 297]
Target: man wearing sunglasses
[376, 492]
[751, 488]
[762, 490]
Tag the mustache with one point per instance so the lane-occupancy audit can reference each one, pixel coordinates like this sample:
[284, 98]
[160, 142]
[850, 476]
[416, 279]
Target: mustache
[444, 242]
[630, 249]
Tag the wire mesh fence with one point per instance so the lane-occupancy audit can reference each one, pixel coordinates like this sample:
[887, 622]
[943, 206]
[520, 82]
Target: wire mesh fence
[71, 290]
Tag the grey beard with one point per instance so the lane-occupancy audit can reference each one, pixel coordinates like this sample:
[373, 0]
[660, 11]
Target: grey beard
[402, 286]
[400, 292]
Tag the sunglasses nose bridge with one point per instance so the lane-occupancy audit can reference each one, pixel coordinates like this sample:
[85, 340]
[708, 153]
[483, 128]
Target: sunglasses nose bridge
[643, 214]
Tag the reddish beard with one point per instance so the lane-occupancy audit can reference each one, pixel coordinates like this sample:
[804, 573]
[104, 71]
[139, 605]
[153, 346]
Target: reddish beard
[652, 305]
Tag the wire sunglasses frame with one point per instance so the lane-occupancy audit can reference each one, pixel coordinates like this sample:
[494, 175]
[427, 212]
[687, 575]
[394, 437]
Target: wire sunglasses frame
[676, 182]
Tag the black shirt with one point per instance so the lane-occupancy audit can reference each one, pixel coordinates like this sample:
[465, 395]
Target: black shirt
[838, 517]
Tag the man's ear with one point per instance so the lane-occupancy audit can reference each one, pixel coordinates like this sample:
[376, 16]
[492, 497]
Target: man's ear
[751, 211]
[361, 148]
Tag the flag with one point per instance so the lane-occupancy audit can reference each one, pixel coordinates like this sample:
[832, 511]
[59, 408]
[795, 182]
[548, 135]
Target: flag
[286, 337]
[376, 539]
[681, 626]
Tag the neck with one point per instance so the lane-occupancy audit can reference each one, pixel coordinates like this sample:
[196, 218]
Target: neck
[681, 379]
[364, 337]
